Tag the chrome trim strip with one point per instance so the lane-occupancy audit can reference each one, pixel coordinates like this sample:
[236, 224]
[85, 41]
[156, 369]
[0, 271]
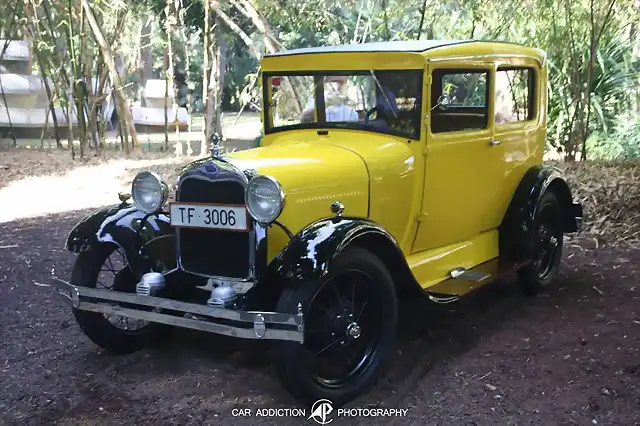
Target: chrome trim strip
[259, 320]
[488, 56]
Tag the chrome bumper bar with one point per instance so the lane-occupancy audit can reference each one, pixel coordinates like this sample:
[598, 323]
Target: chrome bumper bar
[256, 325]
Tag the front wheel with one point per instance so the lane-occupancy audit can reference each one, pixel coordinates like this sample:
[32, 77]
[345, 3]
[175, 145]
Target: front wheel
[350, 320]
[105, 268]
[546, 246]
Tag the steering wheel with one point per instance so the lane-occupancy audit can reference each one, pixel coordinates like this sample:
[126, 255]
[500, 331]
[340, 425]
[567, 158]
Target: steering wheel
[369, 113]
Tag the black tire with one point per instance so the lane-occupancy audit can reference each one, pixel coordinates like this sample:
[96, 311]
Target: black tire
[96, 326]
[373, 335]
[546, 246]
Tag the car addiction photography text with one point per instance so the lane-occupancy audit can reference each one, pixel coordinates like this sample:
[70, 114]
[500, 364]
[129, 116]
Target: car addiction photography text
[322, 412]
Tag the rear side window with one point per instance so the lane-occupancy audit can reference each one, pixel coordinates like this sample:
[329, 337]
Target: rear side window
[466, 96]
[515, 94]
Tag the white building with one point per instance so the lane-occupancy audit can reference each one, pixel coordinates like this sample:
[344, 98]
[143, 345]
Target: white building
[23, 97]
[27, 104]
[152, 114]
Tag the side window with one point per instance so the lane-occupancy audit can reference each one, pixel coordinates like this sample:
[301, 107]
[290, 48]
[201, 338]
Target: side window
[467, 95]
[515, 94]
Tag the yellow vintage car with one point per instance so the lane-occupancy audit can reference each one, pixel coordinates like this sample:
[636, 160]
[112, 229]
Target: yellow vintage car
[387, 170]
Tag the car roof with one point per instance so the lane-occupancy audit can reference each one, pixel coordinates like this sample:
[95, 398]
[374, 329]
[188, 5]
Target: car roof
[415, 46]
[402, 54]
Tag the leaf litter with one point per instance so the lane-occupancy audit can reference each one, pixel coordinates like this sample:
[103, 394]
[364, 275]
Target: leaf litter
[610, 196]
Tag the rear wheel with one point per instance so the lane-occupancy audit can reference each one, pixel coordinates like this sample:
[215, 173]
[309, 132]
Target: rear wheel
[105, 268]
[350, 321]
[546, 245]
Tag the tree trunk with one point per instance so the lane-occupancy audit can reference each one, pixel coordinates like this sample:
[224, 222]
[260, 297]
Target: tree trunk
[168, 62]
[596, 34]
[89, 89]
[187, 59]
[44, 128]
[215, 5]
[205, 75]
[58, 73]
[146, 58]
[423, 10]
[33, 22]
[75, 86]
[213, 118]
[247, 8]
[166, 95]
[123, 110]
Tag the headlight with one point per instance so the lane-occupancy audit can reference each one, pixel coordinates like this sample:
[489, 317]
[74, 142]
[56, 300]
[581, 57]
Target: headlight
[149, 192]
[264, 198]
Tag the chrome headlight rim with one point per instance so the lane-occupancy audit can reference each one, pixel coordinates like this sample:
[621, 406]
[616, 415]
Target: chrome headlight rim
[279, 190]
[163, 186]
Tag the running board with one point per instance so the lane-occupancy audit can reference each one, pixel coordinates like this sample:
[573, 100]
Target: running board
[463, 281]
[468, 275]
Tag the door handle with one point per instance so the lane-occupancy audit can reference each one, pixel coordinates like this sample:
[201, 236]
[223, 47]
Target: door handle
[494, 142]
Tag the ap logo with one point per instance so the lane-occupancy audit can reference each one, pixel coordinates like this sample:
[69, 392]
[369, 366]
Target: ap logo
[320, 411]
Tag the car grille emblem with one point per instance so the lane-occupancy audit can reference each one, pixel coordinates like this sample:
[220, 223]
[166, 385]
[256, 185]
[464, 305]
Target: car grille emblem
[209, 169]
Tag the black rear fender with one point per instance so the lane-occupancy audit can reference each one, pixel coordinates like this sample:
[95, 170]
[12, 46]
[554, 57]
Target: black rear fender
[518, 221]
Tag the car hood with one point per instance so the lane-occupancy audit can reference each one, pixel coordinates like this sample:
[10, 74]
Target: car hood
[302, 166]
[312, 176]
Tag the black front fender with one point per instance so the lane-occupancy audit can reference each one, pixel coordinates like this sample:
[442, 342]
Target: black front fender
[147, 240]
[310, 253]
[518, 221]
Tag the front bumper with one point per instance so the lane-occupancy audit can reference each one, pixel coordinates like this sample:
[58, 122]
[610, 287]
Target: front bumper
[251, 324]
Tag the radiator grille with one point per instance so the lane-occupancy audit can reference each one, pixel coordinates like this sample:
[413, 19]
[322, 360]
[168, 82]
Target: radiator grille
[213, 252]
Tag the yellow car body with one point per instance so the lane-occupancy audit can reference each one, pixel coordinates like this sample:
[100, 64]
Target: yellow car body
[441, 196]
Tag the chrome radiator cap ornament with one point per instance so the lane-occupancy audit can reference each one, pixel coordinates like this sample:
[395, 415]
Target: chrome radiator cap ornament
[217, 151]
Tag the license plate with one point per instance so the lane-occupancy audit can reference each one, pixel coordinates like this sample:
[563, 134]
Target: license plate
[209, 216]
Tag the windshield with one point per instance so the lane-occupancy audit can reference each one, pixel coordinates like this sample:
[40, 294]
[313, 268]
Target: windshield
[378, 101]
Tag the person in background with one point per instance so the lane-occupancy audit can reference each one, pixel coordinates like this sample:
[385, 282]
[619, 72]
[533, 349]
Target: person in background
[336, 107]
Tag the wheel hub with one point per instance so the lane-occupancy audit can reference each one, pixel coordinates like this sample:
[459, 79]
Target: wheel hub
[547, 245]
[353, 330]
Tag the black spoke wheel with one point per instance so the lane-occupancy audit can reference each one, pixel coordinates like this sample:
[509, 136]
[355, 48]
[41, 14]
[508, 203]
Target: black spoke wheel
[546, 246]
[105, 268]
[350, 324]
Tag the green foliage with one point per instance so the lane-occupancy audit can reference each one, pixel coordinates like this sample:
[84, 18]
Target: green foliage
[585, 102]
[622, 144]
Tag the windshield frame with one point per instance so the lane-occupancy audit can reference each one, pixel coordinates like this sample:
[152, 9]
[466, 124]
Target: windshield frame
[319, 103]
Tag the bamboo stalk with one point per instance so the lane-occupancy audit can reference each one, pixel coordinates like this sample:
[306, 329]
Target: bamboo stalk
[205, 77]
[124, 112]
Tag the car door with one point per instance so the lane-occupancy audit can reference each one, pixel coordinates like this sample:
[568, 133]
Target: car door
[463, 166]
[517, 122]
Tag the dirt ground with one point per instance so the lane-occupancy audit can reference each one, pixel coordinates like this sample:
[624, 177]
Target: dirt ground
[568, 356]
